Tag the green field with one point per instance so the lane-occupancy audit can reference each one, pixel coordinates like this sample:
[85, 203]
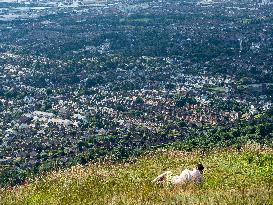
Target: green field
[216, 89]
[231, 177]
[138, 20]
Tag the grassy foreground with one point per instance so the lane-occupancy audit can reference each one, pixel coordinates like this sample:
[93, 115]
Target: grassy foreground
[230, 178]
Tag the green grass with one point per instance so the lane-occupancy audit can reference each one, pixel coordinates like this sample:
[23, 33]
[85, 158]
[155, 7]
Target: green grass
[216, 89]
[230, 178]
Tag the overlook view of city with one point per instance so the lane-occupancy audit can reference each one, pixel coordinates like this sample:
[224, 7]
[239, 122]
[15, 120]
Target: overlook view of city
[88, 80]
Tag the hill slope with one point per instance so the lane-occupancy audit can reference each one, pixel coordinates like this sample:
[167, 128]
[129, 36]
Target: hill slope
[231, 177]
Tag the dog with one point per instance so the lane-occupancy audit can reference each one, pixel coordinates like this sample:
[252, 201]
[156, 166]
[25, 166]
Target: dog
[186, 176]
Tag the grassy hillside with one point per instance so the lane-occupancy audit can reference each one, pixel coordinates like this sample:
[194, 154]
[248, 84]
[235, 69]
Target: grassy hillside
[231, 177]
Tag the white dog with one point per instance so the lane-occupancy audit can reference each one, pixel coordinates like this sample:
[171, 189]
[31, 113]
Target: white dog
[186, 176]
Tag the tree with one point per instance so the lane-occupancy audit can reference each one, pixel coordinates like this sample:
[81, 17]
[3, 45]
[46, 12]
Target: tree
[139, 100]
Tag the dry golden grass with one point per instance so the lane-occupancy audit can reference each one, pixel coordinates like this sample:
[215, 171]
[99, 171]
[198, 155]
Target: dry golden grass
[230, 178]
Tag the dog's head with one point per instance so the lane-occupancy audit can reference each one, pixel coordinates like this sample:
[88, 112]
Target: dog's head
[200, 167]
